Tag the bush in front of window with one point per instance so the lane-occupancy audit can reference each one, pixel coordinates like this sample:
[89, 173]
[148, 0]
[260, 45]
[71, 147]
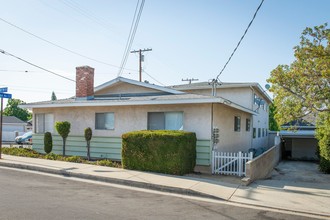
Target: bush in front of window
[48, 142]
[163, 151]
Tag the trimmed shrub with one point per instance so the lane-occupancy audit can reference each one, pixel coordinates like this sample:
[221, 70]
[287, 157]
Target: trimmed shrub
[48, 142]
[63, 128]
[163, 151]
[88, 136]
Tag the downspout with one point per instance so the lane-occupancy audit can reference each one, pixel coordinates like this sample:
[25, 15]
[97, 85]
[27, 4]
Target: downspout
[212, 126]
[252, 116]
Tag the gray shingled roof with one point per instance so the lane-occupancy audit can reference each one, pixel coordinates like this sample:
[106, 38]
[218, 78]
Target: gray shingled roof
[12, 120]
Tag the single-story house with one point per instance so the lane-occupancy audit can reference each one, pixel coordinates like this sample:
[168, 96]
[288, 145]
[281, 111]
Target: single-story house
[299, 142]
[12, 127]
[122, 105]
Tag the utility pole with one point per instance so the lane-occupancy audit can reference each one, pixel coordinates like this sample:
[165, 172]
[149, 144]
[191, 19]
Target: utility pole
[141, 59]
[189, 80]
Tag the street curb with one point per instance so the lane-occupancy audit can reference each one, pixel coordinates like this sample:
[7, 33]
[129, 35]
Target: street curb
[187, 192]
[162, 188]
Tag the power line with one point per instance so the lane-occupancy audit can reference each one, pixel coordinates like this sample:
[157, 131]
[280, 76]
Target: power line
[59, 75]
[246, 30]
[58, 46]
[136, 20]
[153, 78]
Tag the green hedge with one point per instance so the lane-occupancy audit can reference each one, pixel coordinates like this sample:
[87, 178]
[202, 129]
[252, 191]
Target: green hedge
[170, 152]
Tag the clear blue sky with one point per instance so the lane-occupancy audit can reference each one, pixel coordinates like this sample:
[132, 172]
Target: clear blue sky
[189, 39]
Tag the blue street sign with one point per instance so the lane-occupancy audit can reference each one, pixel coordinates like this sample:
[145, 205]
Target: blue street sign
[5, 95]
[5, 89]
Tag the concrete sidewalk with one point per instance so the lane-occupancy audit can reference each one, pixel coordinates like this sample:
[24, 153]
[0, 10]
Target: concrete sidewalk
[276, 194]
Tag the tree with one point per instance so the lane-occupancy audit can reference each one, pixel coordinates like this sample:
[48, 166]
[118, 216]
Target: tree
[303, 87]
[12, 109]
[63, 128]
[273, 125]
[88, 137]
[54, 98]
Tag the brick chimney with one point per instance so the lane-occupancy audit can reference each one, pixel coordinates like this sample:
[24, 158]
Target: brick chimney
[84, 82]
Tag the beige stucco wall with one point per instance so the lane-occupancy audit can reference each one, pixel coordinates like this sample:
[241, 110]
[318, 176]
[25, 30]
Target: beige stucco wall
[262, 166]
[124, 88]
[245, 98]
[230, 140]
[197, 118]
[241, 96]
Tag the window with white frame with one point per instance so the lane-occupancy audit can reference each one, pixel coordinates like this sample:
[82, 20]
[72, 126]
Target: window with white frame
[237, 123]
[165, 120]
[44, 123]
[105, 121]
[248, 124]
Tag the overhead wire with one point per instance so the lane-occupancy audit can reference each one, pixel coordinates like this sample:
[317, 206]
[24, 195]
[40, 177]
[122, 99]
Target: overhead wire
[239, 42]
[58, 46]
[131, 36]
[153, 78]
[86, 13]
[39, 67]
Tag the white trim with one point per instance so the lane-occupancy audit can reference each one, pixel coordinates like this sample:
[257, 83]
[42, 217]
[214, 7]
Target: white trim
[142, 102]
[137, 83]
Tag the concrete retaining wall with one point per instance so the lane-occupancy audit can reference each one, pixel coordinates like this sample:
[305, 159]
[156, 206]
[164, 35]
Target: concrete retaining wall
[261, 166]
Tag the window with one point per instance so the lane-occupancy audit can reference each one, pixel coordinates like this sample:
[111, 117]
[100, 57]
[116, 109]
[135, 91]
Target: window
[266, 131]
[165, 120]
[259, 132]
[254, 132]
[44, 123]
[105, 121]
[256, 99]
[237, 123]
[248, 124]
[263, 132]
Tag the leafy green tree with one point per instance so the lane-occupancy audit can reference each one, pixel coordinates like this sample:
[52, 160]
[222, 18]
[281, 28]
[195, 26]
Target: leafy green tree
[54, 98]
[303, 87]
[88, 137]
[273, 125]
[63, 128]
[12, 109]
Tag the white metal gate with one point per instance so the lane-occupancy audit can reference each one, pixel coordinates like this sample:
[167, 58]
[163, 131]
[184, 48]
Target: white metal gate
[230, 163]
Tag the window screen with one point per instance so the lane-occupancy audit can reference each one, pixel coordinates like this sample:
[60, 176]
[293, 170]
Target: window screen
[165, 120]
[105, 121]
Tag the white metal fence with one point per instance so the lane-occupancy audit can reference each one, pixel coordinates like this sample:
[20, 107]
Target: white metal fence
[230, 163]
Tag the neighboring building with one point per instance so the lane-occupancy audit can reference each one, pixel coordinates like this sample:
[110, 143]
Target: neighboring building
[122, 105]
[12, 127]
[299, 142]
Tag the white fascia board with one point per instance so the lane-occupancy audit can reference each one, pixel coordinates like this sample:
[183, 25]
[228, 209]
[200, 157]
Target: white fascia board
[123, 103]
[142, 102]
[137, 83]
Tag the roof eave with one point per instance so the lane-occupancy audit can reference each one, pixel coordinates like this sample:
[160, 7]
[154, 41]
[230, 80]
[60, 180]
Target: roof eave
[144, 102]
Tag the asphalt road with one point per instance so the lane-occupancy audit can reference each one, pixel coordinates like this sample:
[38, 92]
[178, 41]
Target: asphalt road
[27, 195]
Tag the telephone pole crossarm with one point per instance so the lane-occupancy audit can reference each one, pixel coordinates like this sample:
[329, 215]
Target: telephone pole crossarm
[140, 51]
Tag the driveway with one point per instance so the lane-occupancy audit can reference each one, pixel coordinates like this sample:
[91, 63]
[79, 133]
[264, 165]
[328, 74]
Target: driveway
[299, 172]
[293, 185]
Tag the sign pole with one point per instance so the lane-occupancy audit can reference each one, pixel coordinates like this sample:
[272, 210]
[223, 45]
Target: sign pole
[1, 126]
